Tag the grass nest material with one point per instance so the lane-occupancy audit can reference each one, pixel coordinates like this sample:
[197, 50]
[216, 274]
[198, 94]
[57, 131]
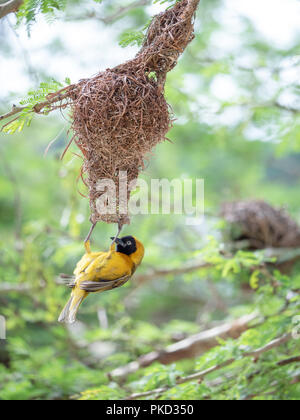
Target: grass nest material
[261, 225]
[121, 114]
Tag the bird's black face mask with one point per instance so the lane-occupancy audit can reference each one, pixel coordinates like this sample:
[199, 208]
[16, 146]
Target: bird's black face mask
[126, 245]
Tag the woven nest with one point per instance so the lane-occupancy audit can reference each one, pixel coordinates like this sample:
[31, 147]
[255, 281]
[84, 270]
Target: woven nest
[261, 225]
[121, 114]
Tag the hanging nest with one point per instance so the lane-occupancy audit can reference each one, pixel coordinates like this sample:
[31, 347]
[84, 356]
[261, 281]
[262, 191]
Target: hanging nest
[121, 114]
[261, 225]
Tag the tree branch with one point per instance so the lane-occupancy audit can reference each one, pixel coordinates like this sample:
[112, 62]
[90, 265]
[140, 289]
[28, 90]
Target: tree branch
[114, 16]
[281, 255]
[287, 108]
[188, 348]
[52, 102]
[15, 110]
[270, 346]
[10, 6]
[123, 10]
[200, 376]
[231, 376]
[188, 268]
[19, 288]
[289, 361]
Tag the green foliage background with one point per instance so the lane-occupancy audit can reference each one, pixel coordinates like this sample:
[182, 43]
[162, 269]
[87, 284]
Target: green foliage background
[245, 146]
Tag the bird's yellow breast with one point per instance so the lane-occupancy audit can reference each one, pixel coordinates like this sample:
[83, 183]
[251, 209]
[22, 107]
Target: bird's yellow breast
[103, 266]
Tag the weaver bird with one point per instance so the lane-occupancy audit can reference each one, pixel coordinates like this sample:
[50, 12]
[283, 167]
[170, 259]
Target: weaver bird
[101, 271]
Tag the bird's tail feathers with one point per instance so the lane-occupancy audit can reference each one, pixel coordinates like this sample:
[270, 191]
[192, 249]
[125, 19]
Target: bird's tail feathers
[66, 280]
[69, 312]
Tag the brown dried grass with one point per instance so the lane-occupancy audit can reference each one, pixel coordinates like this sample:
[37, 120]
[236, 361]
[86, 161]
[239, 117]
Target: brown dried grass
[262, 225]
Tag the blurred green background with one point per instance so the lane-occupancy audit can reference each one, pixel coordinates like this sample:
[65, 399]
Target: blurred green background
[235, 94]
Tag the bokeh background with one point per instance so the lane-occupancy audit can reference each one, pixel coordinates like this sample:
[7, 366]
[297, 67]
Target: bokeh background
[235, 94]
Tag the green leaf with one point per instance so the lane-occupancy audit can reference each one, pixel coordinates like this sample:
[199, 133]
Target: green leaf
[33, 98]
[131, 38]
[254, 279]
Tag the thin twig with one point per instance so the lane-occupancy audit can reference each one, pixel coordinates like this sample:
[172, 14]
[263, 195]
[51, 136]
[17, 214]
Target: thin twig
[200, 376]
[287, 108]
[50, 104]
[15, 110]
[32, 72]
[125, 9]
[184, 269]
[189, 347]
[114, 16]
[289, 361]
[18, 288]
[281, 255]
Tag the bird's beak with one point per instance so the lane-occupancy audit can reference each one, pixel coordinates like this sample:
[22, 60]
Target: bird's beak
[118, 241]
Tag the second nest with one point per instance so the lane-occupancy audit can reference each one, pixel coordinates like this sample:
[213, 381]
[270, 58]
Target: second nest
[261, 225]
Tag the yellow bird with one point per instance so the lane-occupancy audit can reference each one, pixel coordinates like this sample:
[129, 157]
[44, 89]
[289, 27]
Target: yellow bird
[101, 271]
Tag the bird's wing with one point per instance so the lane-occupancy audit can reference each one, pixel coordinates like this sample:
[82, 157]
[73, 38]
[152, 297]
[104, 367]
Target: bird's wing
[67, 280]
[108, 266]
[103, 285]
[105, 272]
[86, 261]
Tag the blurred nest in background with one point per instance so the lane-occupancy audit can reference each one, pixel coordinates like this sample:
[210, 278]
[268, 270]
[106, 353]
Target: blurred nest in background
[260, 225]
[121, 114]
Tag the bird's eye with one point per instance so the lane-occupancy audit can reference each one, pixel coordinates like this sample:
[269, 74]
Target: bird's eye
[128, 243]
